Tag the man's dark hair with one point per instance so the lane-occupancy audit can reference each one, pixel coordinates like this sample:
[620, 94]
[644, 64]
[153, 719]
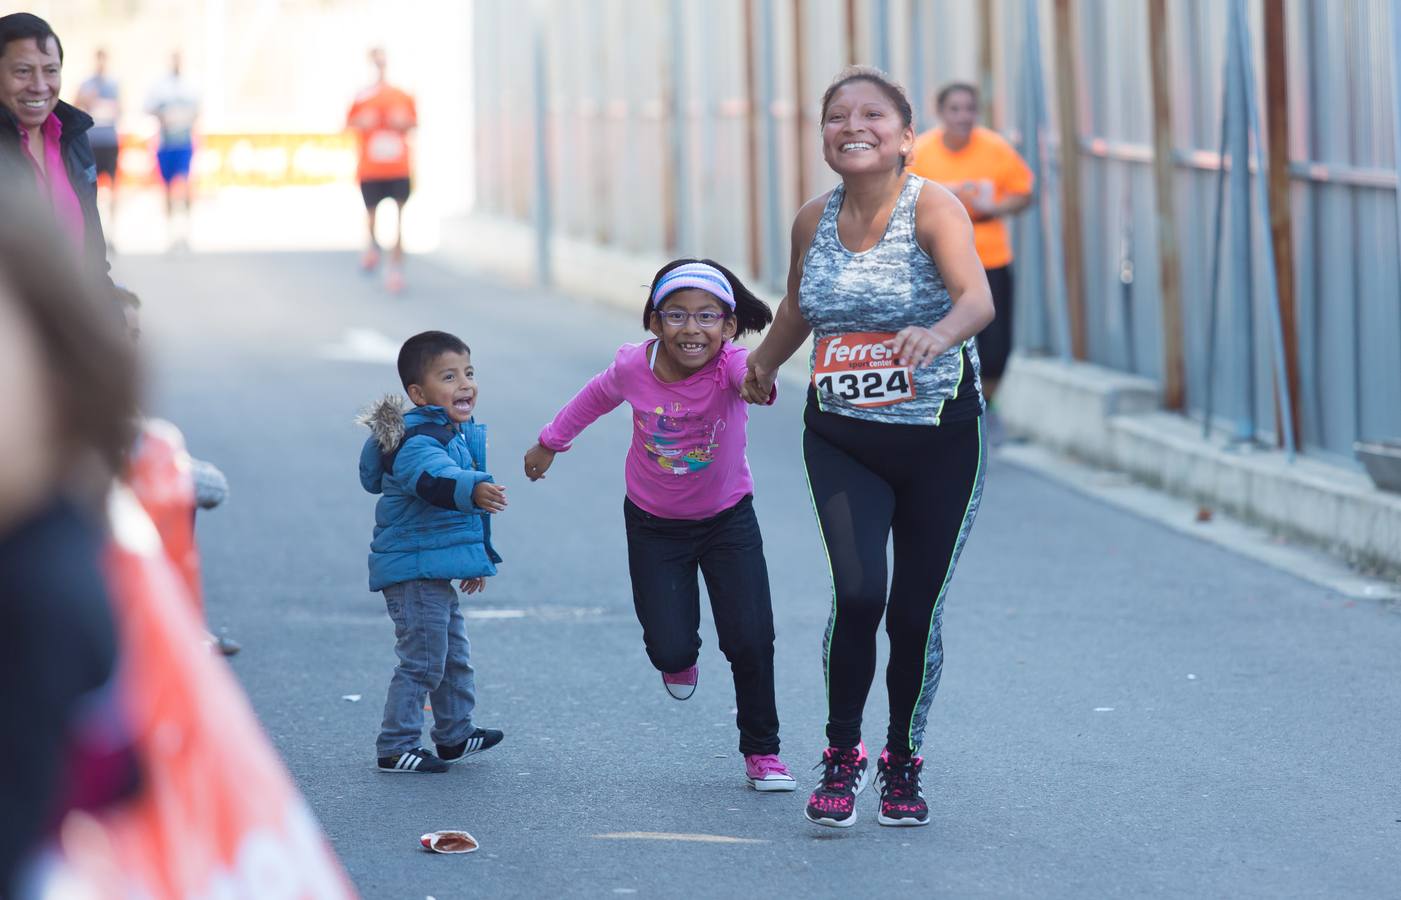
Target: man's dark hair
[27, 26]
[953, 87]
[419, 351]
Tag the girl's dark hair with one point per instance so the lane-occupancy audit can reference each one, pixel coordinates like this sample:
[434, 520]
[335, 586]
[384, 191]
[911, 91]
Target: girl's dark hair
[751, 313]
[953, 87]
[888, 86]
[78, 325]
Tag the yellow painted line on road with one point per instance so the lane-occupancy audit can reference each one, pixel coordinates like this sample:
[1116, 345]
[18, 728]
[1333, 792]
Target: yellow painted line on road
[671, 836]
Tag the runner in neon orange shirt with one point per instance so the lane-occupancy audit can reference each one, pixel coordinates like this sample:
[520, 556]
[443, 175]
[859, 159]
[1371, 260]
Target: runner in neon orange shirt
[993, 182]
[382, 117]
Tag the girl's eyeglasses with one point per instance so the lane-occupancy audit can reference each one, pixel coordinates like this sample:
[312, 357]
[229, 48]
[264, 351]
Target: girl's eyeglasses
[676, 318]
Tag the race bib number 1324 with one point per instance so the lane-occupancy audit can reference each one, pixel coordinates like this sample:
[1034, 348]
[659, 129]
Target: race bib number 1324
[861, 369]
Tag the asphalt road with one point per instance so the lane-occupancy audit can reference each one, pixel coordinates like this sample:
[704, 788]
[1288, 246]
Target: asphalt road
[1125, 711]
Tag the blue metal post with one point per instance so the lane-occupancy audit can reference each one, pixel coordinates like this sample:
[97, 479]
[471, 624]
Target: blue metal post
[880, 25]
[1243, 314]
[1031, 235]
[1262, 202]
[1214, 292]
[1049, 205]
[1396, 108]
[772, 253]
[544, 275]
[918, 88]
[680, 130]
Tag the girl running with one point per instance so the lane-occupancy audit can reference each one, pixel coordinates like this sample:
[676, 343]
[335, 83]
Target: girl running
[689, 502]
[884, 276]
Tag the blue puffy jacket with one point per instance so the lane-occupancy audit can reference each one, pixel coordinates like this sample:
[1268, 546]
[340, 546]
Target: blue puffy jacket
[425, 466]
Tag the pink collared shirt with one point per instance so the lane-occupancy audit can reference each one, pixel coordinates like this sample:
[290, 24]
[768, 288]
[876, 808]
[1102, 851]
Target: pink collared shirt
[53, 180]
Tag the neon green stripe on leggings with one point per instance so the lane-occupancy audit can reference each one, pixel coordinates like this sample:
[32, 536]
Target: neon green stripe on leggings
[943, 588]
[831, 578]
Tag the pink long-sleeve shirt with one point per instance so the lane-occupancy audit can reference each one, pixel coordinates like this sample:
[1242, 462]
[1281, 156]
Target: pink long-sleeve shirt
[688, 437]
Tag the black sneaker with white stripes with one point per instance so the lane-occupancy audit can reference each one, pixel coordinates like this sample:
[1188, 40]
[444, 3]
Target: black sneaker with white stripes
[480, 739]
[416, 761]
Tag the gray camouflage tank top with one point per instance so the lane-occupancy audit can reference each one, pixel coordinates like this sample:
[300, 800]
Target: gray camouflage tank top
[882, 290]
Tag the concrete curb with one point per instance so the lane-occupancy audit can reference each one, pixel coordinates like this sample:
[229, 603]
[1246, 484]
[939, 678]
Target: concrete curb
[1113, 420]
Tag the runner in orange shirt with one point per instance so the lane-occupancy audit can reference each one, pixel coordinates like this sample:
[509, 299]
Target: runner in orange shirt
[993, 182]
[382, 117]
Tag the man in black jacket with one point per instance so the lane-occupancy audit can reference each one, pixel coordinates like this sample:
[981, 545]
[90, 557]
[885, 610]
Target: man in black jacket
[31, 63]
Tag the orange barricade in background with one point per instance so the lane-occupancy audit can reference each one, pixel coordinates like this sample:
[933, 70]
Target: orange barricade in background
[159, 474]
[248, 160]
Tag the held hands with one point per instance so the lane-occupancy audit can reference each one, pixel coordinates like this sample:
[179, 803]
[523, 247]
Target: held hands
[758, 384]
[490, 497]
[916, 346]
[537, 461]
[472, 585]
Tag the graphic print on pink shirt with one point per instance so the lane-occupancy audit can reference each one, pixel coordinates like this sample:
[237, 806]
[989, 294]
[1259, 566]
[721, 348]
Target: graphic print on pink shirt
[679, 441]
[694, 427]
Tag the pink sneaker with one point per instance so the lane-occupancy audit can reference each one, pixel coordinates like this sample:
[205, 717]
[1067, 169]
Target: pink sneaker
[681, 685]
[766, 772]
[369, 260]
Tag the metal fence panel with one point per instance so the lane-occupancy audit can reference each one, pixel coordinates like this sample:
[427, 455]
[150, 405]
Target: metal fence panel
[748, 154]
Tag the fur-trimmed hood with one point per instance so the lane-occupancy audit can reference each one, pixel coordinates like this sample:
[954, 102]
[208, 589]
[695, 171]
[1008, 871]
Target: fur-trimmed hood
[385, 419]
[425, 468]
[392, 420]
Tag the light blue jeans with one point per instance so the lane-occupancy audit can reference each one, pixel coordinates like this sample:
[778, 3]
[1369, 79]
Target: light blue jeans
[434, 661]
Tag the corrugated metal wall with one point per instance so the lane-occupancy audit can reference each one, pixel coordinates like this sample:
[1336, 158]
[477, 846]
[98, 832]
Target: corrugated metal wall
[679, 127]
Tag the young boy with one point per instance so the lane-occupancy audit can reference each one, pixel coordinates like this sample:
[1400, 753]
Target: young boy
[432, 526]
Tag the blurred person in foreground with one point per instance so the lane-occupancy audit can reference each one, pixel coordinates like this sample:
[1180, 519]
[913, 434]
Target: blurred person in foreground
[131, 764]
[175, 104]
[100, 97]
[993, 183]
[160, 449]
[68, 406]
[44, 142]
[382, 117]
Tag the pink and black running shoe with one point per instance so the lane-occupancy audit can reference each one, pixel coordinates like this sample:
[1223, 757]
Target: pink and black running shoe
[844, 776]
[901, 800]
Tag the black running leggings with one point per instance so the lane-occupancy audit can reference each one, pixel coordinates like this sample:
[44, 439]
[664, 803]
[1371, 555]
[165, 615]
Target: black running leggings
[922, 483]
[728, 550]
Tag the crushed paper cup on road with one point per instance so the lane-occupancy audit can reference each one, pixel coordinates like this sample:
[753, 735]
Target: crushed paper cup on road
[448, 842]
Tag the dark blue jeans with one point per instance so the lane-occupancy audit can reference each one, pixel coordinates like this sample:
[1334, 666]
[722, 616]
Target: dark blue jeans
[664, 556]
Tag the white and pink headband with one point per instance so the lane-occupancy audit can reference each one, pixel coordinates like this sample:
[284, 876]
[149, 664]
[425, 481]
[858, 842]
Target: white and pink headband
[694, 275]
